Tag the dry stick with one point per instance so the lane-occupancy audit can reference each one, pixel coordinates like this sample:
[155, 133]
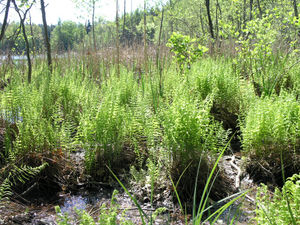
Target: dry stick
[237, 178]
[29, 189]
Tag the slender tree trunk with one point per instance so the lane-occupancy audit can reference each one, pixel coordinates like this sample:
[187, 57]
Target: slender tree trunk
[159, 38]
[22, 19]
[46, 36]
[295, 9]
[217, 20]
[219, 7]
[211, 28]
[93, 25]
[251, 8]
[32, 36]
[259, 9]
[244, 14]
[5, 20]
[124, 20]
[145, 40]
[117, 38]
[158, 63]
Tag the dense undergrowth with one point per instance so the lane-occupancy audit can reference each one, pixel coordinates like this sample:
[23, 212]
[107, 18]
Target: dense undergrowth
[121, 121]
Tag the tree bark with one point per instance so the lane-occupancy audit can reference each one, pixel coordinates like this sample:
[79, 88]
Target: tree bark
[211, 28]
[93, 25]
[46, 37]
[117, 39]
[124, 20]
[5, 20]
[22, 19]
[251, 8]
[217, 20]
[32, 36]
[159, 38]
[295, 9]
[158, 63]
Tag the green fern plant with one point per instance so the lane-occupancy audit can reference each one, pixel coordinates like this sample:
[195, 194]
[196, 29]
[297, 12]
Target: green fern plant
[13, 175]
[282, 207]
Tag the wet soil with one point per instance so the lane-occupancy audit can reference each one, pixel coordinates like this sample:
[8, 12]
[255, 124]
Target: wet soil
[90, 198]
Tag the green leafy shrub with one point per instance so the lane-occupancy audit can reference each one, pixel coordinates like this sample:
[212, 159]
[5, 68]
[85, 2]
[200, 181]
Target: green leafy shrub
[282, 207]
[184, 49]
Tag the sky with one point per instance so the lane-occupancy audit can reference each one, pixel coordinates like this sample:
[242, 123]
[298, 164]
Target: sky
[67, 10]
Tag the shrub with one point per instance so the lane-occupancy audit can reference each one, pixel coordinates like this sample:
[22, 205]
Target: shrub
[185, 51]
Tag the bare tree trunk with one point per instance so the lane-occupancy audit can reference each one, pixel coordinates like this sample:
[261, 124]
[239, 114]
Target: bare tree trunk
[5, 19]
[295, 9]
[158, 63]
[32, 36]
[211, 28]
[22, 19]
[244, 14]
[217, 20]
[145, 40]
[93, 25]
[124, 20]
[117, 38]
[47, 41]
[251, 8]
[159, 38]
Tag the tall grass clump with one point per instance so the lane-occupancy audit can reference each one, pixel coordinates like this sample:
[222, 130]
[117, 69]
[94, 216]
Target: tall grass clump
[271, 127]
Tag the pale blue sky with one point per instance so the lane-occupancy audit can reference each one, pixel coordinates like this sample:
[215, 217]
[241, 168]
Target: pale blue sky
[67, 10]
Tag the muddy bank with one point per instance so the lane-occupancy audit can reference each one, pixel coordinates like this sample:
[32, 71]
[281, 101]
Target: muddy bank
[87, 195]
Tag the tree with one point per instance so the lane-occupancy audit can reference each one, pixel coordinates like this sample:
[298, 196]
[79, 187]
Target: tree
[66, 35]
[22, 24]
[46, 37]
[89, 5]
[211, 29]
[4, 24]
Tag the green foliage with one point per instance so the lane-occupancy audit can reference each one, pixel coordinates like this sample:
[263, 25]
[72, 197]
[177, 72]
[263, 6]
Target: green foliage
[275, 208]
[271, 126]
[67, 35]
[190, 130]
[219, 81]
[184, 49]
[14, 175]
